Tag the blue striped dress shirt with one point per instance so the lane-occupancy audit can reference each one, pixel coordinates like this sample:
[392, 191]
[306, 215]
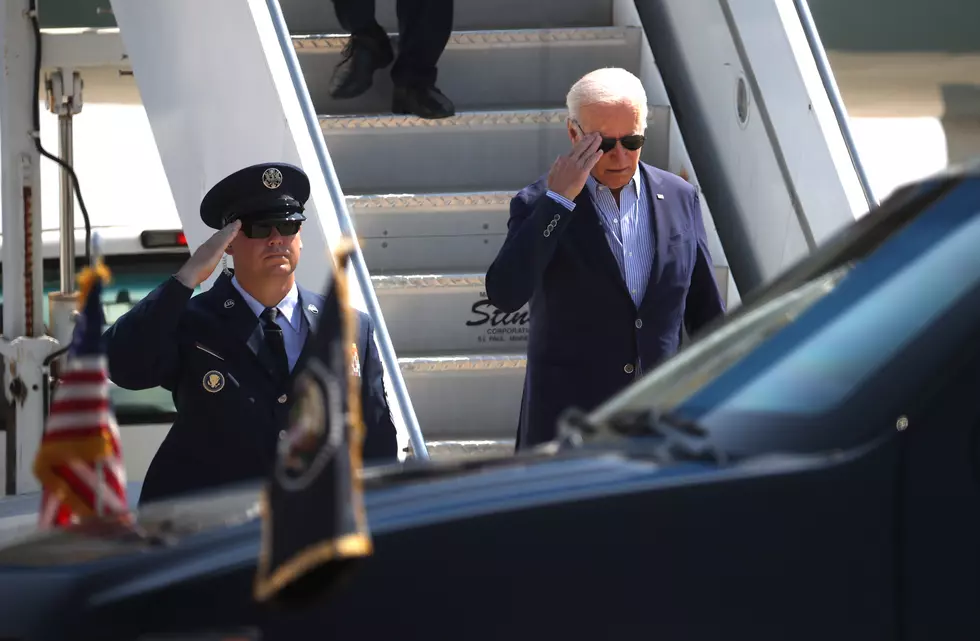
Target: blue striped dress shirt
[628, 229]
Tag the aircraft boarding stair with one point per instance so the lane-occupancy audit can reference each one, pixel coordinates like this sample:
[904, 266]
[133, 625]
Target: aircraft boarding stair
[430, 199]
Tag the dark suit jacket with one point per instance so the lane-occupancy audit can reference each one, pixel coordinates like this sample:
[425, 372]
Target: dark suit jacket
[586, 334]
[230, 408]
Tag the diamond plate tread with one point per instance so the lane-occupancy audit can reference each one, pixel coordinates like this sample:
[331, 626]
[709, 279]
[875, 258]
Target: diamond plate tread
[462, 363]
[535, 117]
[490, 38]
[461, 119]
[422, 281]
[467, 200]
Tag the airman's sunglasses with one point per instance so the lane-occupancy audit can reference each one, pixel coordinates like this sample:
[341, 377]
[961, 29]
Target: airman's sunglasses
[264, 230]
[631, 142]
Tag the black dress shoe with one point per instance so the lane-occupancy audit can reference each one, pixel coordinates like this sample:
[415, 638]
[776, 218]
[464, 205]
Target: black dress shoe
[362, 56]
[424, 102]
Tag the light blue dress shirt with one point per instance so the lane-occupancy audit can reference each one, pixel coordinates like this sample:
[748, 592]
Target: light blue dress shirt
[290, 319]
[628, 228]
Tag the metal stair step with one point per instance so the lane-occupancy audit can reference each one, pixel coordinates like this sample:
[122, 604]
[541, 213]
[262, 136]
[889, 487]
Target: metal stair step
[306, 16]
[465, 397]
[518, 68]
[448, 450]
[447, 313]
[389, 153]
[430, 233]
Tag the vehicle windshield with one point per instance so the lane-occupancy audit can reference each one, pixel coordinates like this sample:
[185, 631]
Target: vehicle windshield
[819, 342]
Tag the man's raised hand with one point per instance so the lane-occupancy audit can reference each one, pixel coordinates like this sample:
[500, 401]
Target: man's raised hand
[205, 258]
[570, 171]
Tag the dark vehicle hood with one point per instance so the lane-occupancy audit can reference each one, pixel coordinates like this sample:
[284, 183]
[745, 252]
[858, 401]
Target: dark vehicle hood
[398, 496]
[210, 544]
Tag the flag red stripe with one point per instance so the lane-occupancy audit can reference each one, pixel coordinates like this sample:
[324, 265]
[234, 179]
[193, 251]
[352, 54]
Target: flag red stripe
[75, 433]
[83, 491]
[113, 482]
[78, 405]
[83, 376]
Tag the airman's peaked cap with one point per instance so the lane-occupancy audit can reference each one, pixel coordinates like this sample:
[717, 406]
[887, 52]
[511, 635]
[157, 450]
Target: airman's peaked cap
[264, 192]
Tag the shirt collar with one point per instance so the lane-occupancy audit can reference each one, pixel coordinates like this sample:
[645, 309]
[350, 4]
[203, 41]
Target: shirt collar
[634, 182]
[287, 306]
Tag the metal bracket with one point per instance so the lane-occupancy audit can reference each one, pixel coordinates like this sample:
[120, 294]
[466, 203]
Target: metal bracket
[62, 312]
[64, 96]
[62, 100]
[24, 381]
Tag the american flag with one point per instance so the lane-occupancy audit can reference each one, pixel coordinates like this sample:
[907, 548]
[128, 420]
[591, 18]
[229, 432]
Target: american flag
[79, 462]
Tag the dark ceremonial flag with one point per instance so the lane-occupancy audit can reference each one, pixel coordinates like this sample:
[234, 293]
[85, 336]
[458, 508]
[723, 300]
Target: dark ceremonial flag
[314, 526]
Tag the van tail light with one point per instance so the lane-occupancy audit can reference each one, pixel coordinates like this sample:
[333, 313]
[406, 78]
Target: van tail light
[163, 238]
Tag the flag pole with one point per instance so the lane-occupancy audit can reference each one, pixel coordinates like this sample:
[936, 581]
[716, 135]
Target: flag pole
[95, 257]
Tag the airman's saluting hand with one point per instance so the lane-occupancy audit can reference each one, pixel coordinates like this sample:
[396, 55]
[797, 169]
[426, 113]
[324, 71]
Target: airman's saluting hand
[205, 258]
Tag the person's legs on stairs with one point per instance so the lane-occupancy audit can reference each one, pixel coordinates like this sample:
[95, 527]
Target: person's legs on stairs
[424, 28]
[367, 51]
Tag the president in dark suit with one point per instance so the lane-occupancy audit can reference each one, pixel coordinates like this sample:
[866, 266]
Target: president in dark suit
[230, 354]
[612, 255]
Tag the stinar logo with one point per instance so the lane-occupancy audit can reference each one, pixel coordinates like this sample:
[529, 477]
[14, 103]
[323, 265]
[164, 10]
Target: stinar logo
[500, 327]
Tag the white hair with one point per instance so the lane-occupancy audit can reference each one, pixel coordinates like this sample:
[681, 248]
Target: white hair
[610, 85]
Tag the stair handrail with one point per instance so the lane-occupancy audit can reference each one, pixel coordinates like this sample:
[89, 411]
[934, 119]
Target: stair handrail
[347, 227]
[833, 94]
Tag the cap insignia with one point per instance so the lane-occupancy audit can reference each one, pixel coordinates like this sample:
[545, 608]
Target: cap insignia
[272, 178]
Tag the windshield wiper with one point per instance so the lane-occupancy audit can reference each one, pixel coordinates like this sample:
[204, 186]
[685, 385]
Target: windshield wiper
[678, 439]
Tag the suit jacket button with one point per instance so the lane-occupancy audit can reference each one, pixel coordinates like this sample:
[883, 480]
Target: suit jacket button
[638, 323]
[282, 399]
[629, 368]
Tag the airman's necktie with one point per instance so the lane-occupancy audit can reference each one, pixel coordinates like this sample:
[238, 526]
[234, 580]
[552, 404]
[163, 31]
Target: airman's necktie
[273, 338]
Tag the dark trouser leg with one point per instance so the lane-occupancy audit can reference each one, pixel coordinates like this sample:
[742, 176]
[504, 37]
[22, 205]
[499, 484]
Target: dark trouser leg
[357, 17]
[367, 51]
[424, 27]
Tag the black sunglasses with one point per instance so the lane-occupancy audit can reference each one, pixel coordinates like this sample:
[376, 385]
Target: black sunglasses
[631, 142]
[264, 230]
